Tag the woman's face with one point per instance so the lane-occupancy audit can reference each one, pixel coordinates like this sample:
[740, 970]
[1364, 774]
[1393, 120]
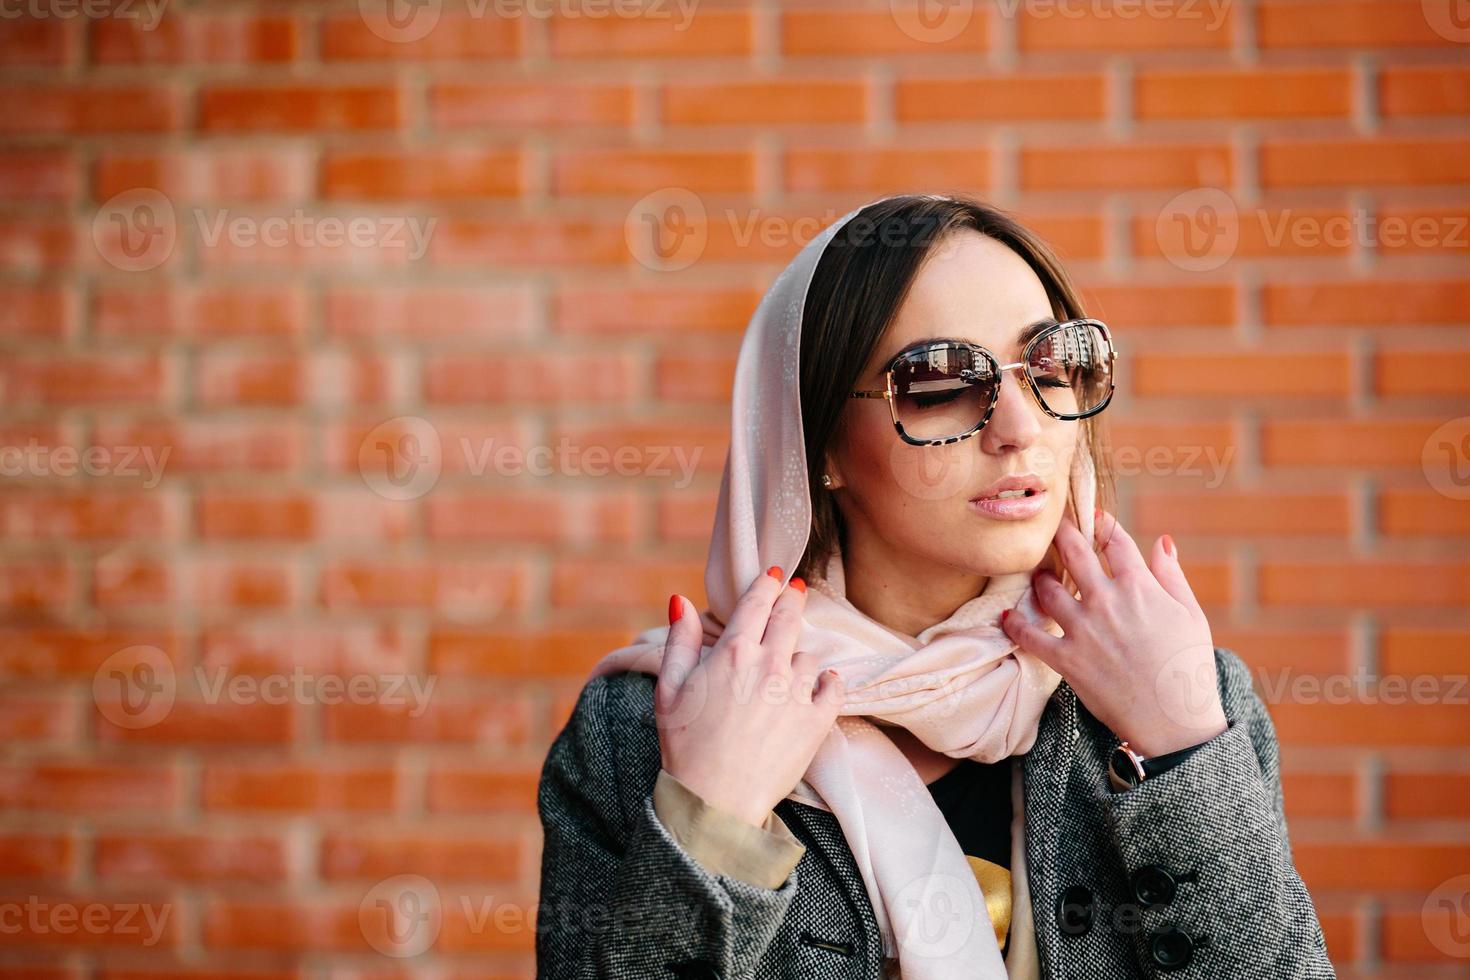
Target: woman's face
[916, 504]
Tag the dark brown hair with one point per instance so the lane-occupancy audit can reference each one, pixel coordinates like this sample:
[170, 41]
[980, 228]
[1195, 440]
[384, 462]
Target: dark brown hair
[856, 290]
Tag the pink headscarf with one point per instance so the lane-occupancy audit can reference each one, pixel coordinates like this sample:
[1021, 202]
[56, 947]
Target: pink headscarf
[961, 686]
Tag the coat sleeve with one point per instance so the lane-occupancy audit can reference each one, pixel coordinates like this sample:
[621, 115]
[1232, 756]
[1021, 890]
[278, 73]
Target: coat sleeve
[619, 897]
[1214, 888]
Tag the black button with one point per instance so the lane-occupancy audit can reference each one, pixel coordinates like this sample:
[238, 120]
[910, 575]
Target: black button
[1171, 948]
[1074, 911]
[1153, 885]
[695, 970]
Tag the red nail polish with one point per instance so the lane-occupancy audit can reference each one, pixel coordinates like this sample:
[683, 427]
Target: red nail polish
[676, 609]
[775, 572]
[1169, 548]
[1003, 614]
[798, 584]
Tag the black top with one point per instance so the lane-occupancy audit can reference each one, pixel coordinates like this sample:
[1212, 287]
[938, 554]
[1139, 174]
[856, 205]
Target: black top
[975, 798]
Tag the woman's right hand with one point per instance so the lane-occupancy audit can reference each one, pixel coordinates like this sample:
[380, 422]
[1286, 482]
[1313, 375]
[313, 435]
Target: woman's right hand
[741, 727]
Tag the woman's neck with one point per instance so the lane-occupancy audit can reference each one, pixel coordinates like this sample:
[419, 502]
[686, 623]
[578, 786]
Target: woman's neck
[905, 593]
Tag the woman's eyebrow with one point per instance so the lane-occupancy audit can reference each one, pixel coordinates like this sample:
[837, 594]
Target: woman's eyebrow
[1022, 336]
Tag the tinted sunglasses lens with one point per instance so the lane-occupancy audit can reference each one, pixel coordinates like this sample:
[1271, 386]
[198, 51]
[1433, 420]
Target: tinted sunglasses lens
[1071, 368]
[942, 392]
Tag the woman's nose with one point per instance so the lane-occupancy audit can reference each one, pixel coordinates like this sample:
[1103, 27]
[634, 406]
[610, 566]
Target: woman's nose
[1016, 421]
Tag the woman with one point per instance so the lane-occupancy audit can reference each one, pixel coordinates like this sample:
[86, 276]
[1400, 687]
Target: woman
[914, 757]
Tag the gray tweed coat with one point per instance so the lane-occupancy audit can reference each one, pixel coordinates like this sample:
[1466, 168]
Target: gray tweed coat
[1189, 875]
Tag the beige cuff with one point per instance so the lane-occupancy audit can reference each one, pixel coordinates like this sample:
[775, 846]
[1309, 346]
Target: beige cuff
[722, 842]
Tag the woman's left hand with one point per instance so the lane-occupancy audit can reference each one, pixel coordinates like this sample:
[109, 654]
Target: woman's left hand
[1137, 647]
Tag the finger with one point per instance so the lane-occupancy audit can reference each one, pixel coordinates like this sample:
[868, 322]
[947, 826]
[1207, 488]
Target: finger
[1119, 547]
[1170, 573]
[1057, 602]
[1080, 559]
[1033, 639]
[806, 674]
[753, 609]
[831, 691]
[784, 626]
[681, 650]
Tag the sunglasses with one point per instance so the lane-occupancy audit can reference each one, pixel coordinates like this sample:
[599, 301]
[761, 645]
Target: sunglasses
[945, 391]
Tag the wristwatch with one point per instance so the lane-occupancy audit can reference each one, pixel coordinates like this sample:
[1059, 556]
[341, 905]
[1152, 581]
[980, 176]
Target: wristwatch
[1126, 768]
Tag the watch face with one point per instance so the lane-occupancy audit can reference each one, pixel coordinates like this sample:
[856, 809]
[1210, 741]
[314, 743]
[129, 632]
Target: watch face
[1123, 769]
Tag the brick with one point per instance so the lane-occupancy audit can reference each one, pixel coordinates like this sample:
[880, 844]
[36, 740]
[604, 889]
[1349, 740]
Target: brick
[1365, 584]
[291, 926]
[1426, 795]
[300, 108]
[683, 374]
[1158, 305]
[121, 579]
[519, 380]
[1273, 513]
[887, 170]
[261, 649]
[455, 789]
[90, 109]
[82, 787]
[26, 719]
[203, 444]
[217, 310]
[496, 722]
[456, 174]
[39, 175]
[426, 312]
[1421, 513]
[635, 172]
[1423, 650]
[328, 379]
[1119, 26]
[1239, 94]
[1421, 373]
[1365, 303]
[528, 243]
[1424, 91]
[201, 174]
[300, 516]
[190, 38]
[569, 653]
[1316, 374]
[363, 854]
[659, 32]
[1010, 98]
[35, 585]
[1413, 231]
[477, 589]
[615, 583]
[190, 857]
[457, 105]
[37, 312]
[897, 30]
[533, 517]
[1389, 162]
[1380, 864]
[39, 41]
[24, 855]
[1354, 443]
[453, 37]
[295, 788]
[1349, 24]
[1130, 166]
[94, 516]
[681, 311]
[819, 101]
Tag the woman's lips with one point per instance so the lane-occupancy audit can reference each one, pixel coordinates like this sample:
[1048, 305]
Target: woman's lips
[1012, 508]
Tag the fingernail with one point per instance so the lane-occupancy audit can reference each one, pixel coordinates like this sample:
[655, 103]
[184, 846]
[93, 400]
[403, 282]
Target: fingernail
[1003, 614]
[1096, 514]
[676, 609]
[1169, 548]
[798, 584]
[775, 572]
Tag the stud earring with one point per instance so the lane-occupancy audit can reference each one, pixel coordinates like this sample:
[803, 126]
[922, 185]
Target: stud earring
[826, 481]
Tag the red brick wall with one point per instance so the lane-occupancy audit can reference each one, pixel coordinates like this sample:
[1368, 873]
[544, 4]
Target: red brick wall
[1267, 200]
